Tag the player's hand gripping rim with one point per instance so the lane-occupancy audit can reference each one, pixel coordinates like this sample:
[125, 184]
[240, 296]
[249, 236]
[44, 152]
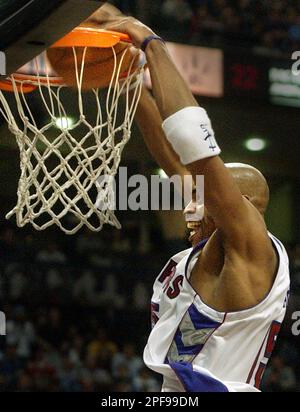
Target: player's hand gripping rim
[136, 30]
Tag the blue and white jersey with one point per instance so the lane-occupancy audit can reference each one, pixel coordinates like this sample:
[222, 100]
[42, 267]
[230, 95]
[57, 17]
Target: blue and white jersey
[198, 349]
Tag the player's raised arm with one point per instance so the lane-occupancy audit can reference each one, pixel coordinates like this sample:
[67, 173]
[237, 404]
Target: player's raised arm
[189, 131]
[149, 121]
[148, 117]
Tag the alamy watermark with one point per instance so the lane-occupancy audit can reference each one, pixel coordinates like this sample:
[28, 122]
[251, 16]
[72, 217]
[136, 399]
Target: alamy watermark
[139, 193]
[296, 324]
[2, 324]
[296, 65]
[2, 63]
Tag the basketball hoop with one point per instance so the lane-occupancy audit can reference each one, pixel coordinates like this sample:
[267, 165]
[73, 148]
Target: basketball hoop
[62, 164]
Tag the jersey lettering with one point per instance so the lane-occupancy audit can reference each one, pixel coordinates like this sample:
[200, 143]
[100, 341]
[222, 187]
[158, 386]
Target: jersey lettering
[167, 272]
[174, 290]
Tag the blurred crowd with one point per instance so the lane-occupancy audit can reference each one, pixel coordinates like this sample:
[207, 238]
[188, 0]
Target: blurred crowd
[269, 27]
[78, 312]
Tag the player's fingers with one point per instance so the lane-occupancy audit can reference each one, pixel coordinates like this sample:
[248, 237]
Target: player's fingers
[136, 30]
[104, 13]
[111, 23]
[121, 25]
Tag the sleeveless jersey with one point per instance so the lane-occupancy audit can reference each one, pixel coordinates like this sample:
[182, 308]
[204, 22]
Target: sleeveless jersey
[198, 349]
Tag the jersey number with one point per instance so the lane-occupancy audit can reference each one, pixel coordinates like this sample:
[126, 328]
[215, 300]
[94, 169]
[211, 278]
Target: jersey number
[274, 331]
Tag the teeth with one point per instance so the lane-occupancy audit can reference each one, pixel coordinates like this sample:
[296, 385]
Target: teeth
[192, 234]
[193, 225]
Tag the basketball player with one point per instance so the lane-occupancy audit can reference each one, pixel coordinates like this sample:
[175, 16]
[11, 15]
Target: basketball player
[217, 308]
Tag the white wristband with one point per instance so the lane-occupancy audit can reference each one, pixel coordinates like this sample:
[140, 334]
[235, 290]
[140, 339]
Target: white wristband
[191, 134]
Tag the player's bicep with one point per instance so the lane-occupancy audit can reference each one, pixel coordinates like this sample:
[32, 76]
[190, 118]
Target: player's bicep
[232, 213]
[248, 236]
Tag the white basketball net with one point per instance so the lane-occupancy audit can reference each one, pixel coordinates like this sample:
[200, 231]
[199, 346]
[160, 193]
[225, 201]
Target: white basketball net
[61, 169]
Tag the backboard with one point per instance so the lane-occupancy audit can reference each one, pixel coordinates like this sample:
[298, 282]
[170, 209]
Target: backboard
[28, 27]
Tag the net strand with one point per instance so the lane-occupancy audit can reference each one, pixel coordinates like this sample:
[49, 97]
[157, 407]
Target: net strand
[67, 180]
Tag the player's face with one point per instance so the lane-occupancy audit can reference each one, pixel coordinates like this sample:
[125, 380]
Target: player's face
[199, 223]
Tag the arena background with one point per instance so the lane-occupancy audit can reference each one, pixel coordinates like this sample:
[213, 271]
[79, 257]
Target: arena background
[77, 308]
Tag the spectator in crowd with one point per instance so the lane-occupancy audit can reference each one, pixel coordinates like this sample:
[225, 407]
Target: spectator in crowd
[69, 377]
[177, 11]
[17, 283]
[280, 377]
[94, 376]
[269, 27]
[110, 294]
[52, 328]
[127, 359]
[140, 296]
[101, 346]
[20, 333]
[84, 289]
[144, 382]
[54, 279]
[51, 255]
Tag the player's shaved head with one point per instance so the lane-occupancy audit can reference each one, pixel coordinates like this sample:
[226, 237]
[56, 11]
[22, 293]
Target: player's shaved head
[252, 184]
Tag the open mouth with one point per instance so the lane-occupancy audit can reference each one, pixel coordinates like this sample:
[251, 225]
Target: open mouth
[193, 233]
[194, 229]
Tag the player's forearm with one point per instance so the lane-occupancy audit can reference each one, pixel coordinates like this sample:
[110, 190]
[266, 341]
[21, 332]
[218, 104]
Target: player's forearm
[149, 122]
[171, 91]
[187, 126]
[193, 138]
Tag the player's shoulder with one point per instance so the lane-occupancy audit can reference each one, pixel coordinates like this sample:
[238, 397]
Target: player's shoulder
[181, 255]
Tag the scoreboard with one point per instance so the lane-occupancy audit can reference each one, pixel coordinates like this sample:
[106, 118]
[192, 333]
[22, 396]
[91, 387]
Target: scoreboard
[265, 79]
[237, 75]
[245, 78]
[284, 86]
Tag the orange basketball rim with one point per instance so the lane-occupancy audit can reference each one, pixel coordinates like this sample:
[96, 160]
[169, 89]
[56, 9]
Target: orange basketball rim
[79, 37]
